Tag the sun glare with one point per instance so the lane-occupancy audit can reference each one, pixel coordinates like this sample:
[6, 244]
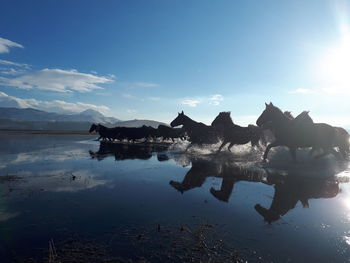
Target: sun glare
[334, 67]
[334, 63]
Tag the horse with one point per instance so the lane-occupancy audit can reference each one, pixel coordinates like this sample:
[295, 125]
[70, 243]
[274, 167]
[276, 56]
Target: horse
[169, 133]
[104, 132]
[198, 132]
[341, 139]
[235, 134]
[296, 133]
[133, 133]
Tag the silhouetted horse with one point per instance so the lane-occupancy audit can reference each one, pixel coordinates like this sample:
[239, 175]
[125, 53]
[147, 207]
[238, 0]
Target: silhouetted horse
[341, 139]
[104, 132]
[133, 134]
[169, 133]
[293, 189]
[198, 132]
[235, 134]
[296, 133]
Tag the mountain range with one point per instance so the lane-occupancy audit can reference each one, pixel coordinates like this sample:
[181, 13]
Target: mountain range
[33, 119]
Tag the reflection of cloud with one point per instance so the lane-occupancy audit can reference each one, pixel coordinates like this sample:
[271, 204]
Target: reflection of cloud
[43, 155]
[4, 216]
[55, 181]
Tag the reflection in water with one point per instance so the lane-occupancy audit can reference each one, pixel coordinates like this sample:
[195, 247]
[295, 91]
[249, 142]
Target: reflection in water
[293, 189]
[60, 187]
[122, 151]
[289, 187]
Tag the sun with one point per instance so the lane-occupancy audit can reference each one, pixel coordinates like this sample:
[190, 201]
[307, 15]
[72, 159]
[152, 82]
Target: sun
[334, 67]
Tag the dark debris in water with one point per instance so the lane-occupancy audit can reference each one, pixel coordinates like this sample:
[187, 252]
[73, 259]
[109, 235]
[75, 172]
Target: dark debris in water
[9, 178]
[199, 243]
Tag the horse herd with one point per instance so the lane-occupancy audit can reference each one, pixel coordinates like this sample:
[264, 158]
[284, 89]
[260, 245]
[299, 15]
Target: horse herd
[274, 125]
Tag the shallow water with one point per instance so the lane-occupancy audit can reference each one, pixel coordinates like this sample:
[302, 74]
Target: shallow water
[61, 187]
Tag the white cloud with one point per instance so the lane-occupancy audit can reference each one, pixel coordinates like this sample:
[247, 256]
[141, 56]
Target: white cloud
[301, 91]
[6, 44]
[13, 64]
[12, 71]
[131, 111]
[215, 103]
[216, 99]
[153, 98]
[129, 96]
[50, 106]
[58, 80]
[146, 84]
[190, 102]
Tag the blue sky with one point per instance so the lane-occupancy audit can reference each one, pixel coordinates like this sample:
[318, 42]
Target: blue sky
[151, 59]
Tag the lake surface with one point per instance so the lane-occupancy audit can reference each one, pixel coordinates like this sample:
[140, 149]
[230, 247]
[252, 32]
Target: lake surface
[153, 201]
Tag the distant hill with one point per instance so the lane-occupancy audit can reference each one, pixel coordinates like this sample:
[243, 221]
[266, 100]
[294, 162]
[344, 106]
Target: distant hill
[29, 114]
[139, 123]
[32, 119]
[6, 124]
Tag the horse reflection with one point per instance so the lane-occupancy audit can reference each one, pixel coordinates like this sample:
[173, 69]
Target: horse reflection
[292, 190]
[289, 189]
[122, 151]
[230, 174]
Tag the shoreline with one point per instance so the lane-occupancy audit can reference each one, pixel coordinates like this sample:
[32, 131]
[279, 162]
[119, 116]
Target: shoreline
[45, 132]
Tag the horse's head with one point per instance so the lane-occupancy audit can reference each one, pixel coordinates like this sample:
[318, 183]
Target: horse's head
[222, 120]
[93, 128]
[179, 120]
[270, 114]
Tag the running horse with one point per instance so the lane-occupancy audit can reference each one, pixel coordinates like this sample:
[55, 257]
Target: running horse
[235, 134]
[198, 132]
[296, 133]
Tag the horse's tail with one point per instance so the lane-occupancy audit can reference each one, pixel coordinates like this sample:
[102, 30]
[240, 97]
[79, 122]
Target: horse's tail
[342, 138]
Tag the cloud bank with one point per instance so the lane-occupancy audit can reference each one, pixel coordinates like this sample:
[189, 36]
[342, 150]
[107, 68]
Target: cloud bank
[57, 80]
[58, 106]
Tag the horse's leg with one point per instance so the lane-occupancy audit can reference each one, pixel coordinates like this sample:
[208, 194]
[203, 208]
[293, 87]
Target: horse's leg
[256, 143]
[293, 152]
[327, 151]
[230, 146]
[190, 145]
[268, 148]
[313, 149]
[222, 145]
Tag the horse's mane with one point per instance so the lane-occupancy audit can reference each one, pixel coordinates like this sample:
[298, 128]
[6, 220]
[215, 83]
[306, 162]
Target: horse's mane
[304, 116]
[104, 127]
[224, 117]
[303, 119]
[288, 114]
